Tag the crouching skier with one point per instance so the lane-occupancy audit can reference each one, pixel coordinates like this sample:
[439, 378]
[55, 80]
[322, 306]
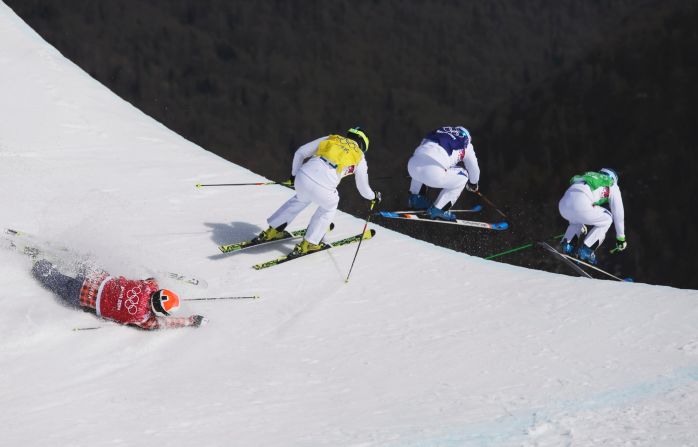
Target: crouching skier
[582, 205]
[331, 158]
[435, 164]
[140, 303]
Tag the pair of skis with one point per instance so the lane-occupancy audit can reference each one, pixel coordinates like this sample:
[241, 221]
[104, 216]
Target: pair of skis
[576, 264]
[408, 214]
[420, 216]
[231, 248]
[414, 215]
[285, 235]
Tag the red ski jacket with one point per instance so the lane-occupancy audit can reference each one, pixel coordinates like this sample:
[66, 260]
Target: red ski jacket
[126, 301]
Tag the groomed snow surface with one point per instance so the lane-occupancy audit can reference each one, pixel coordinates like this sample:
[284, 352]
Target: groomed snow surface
[423, 347]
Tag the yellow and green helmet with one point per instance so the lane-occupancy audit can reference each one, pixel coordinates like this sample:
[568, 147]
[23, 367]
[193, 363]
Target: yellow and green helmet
[359, 135]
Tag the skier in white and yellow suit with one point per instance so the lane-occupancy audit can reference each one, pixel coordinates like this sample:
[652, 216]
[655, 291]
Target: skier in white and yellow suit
[331, 158]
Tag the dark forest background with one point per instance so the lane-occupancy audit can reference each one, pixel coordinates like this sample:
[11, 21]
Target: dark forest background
[548, 89]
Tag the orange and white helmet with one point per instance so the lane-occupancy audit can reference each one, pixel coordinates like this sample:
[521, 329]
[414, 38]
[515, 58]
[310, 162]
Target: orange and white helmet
[164, 302]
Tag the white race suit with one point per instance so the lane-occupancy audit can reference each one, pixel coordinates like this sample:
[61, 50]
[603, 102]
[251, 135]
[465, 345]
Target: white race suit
[316, 182]
[581, 205]
[431, 165]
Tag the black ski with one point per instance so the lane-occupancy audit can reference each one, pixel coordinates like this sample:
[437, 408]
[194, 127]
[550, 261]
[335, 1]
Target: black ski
[592, 266]
[562, 257]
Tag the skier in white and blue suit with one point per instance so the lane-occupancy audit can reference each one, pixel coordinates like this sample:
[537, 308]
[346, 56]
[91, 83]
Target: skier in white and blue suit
[434, 164]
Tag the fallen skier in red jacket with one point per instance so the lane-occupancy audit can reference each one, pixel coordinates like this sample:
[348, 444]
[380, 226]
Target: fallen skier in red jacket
[140, 303]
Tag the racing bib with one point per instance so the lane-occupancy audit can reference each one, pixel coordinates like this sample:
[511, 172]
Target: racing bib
[341, 152]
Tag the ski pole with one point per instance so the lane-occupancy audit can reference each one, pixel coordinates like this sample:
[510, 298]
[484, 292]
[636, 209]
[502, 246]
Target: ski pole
[373, 203]
[201, 185]
[252, 297]
[489, 202]
[522, 247]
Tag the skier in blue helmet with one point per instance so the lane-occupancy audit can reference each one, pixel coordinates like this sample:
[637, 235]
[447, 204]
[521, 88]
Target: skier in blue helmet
[581, 205]
[434, 164]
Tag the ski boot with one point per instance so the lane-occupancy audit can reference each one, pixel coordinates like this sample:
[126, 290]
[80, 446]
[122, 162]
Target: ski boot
[305, 247]
[271, 234]
[418, 202]
[43, 268]
[437, 213]
[567, 247]
[586, 254]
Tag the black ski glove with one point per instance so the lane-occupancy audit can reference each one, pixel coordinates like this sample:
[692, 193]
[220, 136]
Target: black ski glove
[472, 187]
[377, 199]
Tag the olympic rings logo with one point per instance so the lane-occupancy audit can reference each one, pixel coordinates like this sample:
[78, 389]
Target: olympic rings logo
[132, 299]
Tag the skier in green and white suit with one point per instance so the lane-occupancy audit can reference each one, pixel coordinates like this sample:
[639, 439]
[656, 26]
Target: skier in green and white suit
[582, 206]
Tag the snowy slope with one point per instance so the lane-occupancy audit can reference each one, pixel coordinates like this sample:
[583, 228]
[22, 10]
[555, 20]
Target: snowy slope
[423, 347]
